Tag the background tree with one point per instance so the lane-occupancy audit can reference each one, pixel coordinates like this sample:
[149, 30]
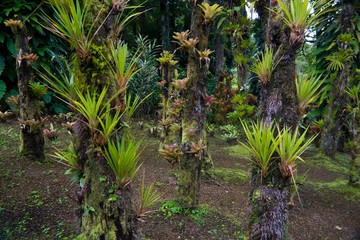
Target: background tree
[31, 124]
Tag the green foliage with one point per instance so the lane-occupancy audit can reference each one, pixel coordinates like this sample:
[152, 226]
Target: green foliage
[123, 159]
[262, 144]
[2, 64]
[37, 89]
[290, 149]
[66, 86]
[210, 12]
[69, 157]
[70, 25]
[110, 123]
[124, 70]
[336, 60]
[144, 81]
[228, 128]
[265, 65]
[147, 199]
[2, 89]
[92, 106]
[299, 16]
[45, 46]
[308, 88]
[210, 128]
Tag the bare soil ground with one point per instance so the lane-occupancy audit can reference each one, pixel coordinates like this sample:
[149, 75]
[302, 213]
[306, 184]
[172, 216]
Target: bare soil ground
[36, 198]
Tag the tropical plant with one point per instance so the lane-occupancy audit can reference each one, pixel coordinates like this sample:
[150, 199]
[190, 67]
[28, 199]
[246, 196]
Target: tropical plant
[262, 144]
[70, 25]
[153, 130]
[171, 153]
[230, 137]
[289, 150]
[229, 128]
[123, 70]
[148, 198]
[66, 86]
[336, 61]
[293, 189]
[69, 157]
[301, 15]
[144, 81]
[210, 128]
[210, 12]
[51, 132]
[123, 157]
[308, 88]
[4, 115]
[110, 123]
[37, 89]
[265, 65]
[92, 106]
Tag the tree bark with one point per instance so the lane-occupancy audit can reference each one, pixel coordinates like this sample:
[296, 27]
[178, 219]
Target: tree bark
[193, 120]
[164, 28]
[31, 133]
[219, 59]
[336, 112]
[269, 197]
[238, 37]
[104, 213]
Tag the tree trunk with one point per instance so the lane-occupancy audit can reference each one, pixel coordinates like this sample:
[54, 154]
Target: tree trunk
[105, 212]
[240, 38]
[219, 60]
[193, 120]
[269, 197]
[31, 133]
[336, 112]
[164, 28]
[170, 114]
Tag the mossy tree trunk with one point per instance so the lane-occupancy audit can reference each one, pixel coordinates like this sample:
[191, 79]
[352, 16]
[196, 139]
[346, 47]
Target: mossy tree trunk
[240, 37]
[336, 113]
[169, 134]
[193, 119]
[31, 133]
[105, 211]
[269, 197]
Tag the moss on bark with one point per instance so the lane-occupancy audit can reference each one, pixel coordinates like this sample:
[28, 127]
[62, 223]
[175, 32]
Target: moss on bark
[269, 197]
[31, 138]
[194, 117]
[102, 215]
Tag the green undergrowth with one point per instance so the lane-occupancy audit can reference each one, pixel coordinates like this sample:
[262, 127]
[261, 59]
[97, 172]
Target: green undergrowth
[340, 186]
[341, 164]
[231, 175]
[238, 150]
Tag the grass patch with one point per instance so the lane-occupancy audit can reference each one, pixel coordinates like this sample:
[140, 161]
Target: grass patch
[350, 193]
[232, 175]
[341, 163]
[238, 151]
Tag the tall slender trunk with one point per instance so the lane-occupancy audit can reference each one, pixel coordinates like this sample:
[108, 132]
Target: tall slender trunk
[31, 133]
[278, 102]
[332, 140]
[164, 21]
[240, 37]
[219, 59]
[193, 120]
